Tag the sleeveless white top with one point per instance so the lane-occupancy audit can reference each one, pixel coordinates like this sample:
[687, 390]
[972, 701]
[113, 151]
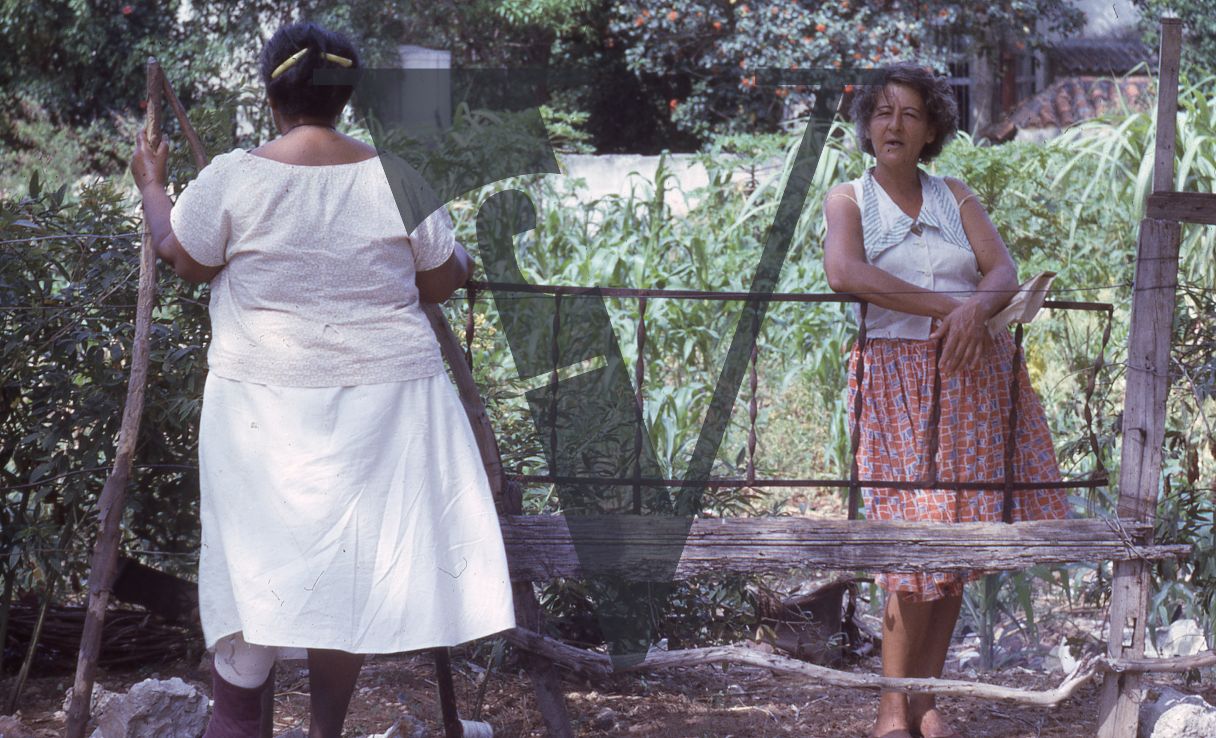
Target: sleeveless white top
[938, 258]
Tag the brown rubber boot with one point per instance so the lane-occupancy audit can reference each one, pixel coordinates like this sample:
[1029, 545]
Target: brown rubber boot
[237, 712]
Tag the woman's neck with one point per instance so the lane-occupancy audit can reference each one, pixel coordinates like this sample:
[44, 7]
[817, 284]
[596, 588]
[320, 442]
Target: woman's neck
[904, 180]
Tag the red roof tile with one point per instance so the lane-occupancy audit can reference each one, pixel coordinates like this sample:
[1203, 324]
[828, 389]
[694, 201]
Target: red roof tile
[1073, 99]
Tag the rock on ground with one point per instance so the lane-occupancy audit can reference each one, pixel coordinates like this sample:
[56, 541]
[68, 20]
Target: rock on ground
[155, 709]
[99, 699]
[1176, 715]
[11, 727]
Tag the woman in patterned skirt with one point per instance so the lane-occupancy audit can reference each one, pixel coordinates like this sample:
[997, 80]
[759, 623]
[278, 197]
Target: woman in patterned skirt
[922, 252]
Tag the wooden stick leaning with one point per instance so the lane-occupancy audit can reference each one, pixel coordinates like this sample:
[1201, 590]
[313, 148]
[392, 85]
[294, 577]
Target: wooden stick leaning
[466, 387]
[110, 504]
[196, 144]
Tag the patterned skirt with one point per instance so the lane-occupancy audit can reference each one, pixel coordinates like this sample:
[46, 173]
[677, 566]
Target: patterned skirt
[897, 405]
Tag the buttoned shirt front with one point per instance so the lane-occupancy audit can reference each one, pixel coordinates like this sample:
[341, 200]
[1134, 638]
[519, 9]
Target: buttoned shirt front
[929, 251]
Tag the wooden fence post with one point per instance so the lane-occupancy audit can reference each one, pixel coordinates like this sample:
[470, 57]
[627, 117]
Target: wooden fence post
[110, 504]
[1148, 357]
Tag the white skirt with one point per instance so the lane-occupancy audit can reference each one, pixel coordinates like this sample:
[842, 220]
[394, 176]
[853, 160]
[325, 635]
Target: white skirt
[350, 518]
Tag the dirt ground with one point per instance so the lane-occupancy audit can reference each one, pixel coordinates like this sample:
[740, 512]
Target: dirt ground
[706, 702]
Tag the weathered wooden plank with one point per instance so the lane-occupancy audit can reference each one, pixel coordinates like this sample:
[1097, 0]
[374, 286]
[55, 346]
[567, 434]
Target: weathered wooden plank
[1147, 385]
[540, 547]
[1184, 207]
[1153, 295]
[1167, 104]
[1140, 470]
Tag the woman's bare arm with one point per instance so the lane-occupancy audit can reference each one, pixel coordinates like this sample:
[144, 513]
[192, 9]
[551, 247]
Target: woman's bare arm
[438, 284]
[148, 169]
[965, 331]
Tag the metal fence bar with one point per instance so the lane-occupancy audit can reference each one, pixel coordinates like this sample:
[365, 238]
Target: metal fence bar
[854, 483]
[555, 350]
[837, 483]
[470, 326]
[639, 375]
[933, 437]
[1011, 431]
[553, 289]
[1090, 386]
[855, 430]
[752, 411]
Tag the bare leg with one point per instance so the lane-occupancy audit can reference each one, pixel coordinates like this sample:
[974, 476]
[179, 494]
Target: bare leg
[905, 626]
[331, 678]
[923, 707]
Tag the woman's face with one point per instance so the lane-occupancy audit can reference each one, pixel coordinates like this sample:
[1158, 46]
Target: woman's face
[899, 127]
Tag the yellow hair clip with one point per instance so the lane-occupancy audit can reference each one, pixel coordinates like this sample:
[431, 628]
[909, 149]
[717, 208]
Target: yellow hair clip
[288, 62]
[278, 71]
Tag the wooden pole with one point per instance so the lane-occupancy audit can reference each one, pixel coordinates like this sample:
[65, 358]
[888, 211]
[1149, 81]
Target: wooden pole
[448, 715]
[1148, 356]
[470, 398]
[110, 505]
[550, 700]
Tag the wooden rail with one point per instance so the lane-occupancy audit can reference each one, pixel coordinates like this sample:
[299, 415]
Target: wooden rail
[1184, 207]
[541, 547]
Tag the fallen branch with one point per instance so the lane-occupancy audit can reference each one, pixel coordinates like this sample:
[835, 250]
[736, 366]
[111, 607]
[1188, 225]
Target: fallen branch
[1173, 664]
[585, 663]
[599, 665]
[822, 675]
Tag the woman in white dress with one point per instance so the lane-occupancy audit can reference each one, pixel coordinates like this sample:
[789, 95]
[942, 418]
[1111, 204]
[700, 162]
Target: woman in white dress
[344, 507]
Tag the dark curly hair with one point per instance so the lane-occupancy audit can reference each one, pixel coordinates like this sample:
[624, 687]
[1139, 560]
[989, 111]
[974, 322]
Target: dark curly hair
[293, 91]
[940, 106]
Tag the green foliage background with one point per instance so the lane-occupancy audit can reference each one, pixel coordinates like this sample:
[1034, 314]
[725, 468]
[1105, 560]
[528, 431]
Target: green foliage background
[67, 267]
[69, 240]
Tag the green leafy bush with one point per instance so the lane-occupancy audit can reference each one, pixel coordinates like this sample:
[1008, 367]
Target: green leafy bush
[67, 298]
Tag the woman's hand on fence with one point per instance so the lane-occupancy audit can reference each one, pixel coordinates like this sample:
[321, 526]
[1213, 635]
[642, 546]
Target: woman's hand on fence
[148, 167]
[965, 337]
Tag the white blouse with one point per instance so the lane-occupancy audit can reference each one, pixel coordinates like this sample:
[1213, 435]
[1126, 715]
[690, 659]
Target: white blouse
[317, 288]
[931, 251]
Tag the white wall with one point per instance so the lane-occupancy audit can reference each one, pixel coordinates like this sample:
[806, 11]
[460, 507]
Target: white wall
[1108, 17]
[618, 174]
